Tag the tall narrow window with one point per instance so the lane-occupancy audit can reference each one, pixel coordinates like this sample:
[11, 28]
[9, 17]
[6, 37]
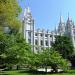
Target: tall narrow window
[41, 35]
[46, 35]
[35, 34]
[46, 42]
[41, 42]
[36, 42]
[29, 34]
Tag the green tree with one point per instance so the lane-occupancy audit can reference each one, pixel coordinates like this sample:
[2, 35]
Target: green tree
[2, 43]
[2, 49]
[50, 57]
[14, 50]
[64, 46]
[9, 12]
[34, 61]
[18, 51]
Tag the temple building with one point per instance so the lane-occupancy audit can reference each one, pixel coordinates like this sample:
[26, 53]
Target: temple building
[41, 38]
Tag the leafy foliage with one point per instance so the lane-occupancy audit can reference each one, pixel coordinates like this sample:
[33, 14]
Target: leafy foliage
[49, 58]
[13, 49]
[52, 58]
[63, 45]
[9, 12]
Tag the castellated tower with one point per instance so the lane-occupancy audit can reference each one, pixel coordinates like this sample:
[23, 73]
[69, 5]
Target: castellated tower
[61, 27]
[28, 26]
[39, 38]
[67, 29]
[70, 29]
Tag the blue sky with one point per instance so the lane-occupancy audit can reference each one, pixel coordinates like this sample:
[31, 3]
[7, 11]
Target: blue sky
[47, 12]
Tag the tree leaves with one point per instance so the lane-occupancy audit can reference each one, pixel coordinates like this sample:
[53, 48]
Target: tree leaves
[9, 12]
[63, 45]
[15, 49]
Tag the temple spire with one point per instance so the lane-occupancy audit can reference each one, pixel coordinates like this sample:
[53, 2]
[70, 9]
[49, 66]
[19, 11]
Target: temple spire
[68, 15]
[26, 11]
[61, 27]
[69, 18]
[61, 19]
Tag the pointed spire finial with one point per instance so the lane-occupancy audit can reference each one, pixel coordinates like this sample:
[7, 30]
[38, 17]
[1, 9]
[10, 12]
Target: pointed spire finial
[25, 11]
[28, 9]
[69, 18]
[68, 15]
[61, 19]
[55, 29]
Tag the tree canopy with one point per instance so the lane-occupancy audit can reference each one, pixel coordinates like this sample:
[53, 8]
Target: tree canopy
[64, 46]
[9, 12]
[49, 58]
[13, 49]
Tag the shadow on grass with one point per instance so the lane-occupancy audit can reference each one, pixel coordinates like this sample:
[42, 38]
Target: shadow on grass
[31, 72]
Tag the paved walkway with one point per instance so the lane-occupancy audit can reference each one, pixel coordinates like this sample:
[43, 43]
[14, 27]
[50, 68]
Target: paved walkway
[48, 70]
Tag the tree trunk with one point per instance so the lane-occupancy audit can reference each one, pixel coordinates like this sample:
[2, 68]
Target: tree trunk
[46, 68]
[10, 67]
[17, 67]
[54, 67]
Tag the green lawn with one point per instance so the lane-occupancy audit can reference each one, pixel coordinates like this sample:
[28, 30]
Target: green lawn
[70, 72]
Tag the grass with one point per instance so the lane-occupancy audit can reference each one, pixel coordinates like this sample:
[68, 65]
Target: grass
[19, 72]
